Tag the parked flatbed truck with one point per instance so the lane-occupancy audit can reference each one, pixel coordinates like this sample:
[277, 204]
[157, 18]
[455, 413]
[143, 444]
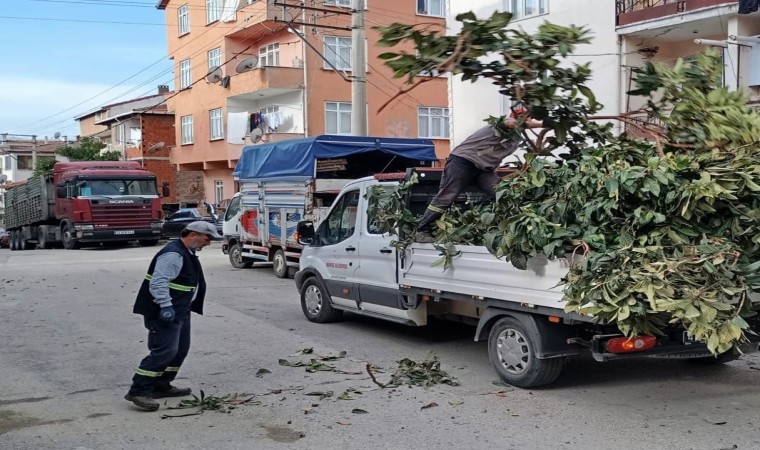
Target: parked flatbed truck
[348, 265]
[84, 203]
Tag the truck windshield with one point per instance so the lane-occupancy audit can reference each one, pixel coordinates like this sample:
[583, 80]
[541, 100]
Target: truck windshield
[112, 187]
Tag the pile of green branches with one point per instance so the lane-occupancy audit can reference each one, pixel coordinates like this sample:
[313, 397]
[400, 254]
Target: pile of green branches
[666, 222]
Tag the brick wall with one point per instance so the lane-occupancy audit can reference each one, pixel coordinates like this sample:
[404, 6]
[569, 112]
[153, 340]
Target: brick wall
[155, 129]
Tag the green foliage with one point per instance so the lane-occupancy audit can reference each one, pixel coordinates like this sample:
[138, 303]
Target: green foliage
[43, 165]
[664, 231]
[88, 150]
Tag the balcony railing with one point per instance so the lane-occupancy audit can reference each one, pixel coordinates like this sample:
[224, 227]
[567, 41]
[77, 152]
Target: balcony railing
[633, 11]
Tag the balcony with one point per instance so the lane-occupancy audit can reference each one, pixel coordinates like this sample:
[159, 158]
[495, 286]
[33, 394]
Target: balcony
[630, 12]
[265, 82]
[255, 20]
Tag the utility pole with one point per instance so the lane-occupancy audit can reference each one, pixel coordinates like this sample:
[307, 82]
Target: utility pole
[34, 152]
[359, 71]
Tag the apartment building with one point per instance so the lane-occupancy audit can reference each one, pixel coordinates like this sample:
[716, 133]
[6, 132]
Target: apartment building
[602, 53]
[140, 129]
[239, 68]
[665, 30]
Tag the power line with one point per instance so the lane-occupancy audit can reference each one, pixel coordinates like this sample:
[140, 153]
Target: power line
[132, 76]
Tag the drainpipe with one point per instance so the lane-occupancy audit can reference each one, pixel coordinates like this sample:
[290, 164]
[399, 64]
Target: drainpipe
[621, 76]
[304, 95]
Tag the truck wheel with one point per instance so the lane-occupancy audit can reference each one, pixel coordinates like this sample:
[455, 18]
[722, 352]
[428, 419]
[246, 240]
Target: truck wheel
[14, 241]
[236, 258]
[148, 242]
[280, 264]
[69, 238]
[512, 351]
[42, 242]
[21, 241]
[315, 303]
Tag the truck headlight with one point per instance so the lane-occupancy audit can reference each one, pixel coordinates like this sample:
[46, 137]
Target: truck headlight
[156, 225]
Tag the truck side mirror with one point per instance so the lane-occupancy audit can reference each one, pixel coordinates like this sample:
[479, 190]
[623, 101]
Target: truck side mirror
[305, 232]
[165, 191]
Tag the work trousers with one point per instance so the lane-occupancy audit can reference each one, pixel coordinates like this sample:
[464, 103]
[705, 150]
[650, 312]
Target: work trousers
[168, 343]
[458, 173]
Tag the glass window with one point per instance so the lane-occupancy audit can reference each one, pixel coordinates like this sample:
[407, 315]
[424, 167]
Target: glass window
[24, 162]
[218, 191]
[372, 225]
[340, 224]
[269, 55]
[216, 123]
[433, 122]
[522, 9]
[187, 129]
[432, 7]
[338, 52]
[183, 16]
[232, 209]
[185, 78]
[338, 117]
[213, 10]
[214, 58]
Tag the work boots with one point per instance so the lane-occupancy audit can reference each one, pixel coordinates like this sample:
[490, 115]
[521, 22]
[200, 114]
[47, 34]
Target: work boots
[142, 402]
[170, 391]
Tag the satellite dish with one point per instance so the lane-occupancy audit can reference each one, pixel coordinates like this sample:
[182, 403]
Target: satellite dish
[247, 64]
[156, 147]
[215, 75]
[255, 135]
[56, 135]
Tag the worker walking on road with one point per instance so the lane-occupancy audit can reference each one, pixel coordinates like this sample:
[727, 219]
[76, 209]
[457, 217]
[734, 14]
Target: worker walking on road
[473, 162]
[173, 287]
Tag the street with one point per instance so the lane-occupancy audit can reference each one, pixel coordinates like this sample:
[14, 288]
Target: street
[70, 344]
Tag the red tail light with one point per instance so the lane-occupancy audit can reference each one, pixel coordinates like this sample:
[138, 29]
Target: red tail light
[630, 344]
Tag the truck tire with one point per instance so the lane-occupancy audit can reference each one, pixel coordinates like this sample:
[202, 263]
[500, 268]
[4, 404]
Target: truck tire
[280, 264]
[42, 242]
[14, 241]
[21, 240]
[148, 242]
[512, 351]
[236, 257]
[69, 239]
[315, 302]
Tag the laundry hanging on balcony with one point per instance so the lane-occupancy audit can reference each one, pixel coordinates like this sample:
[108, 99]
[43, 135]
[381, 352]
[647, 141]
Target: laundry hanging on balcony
[237, 127]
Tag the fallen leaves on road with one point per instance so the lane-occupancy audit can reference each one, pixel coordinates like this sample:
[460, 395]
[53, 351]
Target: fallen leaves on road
[430, 405]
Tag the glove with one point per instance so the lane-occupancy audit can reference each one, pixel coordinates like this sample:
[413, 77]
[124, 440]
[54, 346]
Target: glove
[167, 313]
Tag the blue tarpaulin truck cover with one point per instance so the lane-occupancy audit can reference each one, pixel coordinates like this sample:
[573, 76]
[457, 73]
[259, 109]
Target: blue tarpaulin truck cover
[296, 158]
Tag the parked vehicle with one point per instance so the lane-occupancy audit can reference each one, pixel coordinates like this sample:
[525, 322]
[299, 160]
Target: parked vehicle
[85, 203]
[174, 225]
[5, 238]
[348, 266]
[284, 182]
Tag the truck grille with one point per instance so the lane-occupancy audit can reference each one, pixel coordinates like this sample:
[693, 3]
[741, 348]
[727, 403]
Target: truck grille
[121, 216]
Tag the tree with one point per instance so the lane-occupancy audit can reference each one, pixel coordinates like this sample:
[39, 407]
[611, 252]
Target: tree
[666, 228]
[87, 150]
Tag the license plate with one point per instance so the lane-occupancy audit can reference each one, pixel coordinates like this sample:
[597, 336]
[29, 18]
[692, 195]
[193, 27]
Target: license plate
[118, 232]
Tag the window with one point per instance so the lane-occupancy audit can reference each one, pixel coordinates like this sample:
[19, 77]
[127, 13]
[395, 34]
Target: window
[373, 226]
[269, 55]
[218, 191]
[338, 52]
[340, 224]
[338, 117]
[213, 10]
[184, 19]
[346, 3]
[233, 209]
[214, 58]
[432, 7]
[216, 125]
[434, 123]
[185, 78]
[24, 162]
[522, 9]
[187, 129]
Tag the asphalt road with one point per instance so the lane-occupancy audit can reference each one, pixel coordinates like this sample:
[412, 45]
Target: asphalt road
[69, 345]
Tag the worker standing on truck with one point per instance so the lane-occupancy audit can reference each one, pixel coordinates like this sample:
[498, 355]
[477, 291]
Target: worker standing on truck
[173, 287]
[474, 161]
